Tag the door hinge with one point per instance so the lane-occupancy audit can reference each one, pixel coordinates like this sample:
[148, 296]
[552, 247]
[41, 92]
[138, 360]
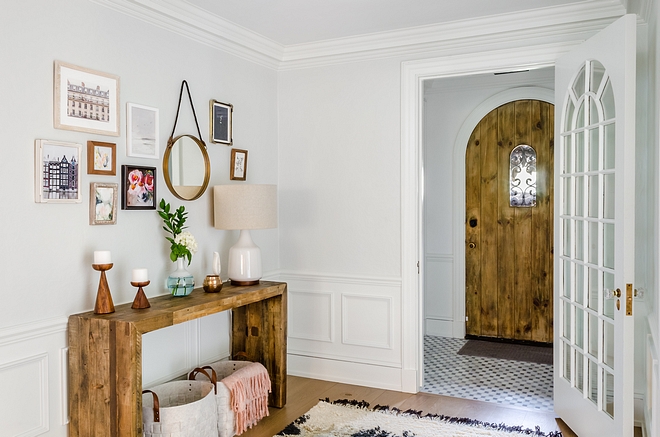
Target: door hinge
[418, 267]
[466, 318]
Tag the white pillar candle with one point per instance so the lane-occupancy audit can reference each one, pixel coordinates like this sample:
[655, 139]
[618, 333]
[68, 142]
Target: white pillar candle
[102, 257]
[140, 275]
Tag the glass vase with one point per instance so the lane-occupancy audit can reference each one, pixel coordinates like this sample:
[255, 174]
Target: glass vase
[180, 281]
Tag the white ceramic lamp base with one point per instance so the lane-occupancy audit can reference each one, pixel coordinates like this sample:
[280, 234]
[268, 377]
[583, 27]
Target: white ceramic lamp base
[244, 261]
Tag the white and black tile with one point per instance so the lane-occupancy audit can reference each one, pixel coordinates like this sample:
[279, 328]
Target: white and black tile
[506, 382]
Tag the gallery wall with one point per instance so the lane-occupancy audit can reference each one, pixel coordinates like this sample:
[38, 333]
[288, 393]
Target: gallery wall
[48, 248]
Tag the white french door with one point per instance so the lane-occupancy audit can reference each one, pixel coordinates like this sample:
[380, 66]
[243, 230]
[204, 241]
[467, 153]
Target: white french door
[594, 238]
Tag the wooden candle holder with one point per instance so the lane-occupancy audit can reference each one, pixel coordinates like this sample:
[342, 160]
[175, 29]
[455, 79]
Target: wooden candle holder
[140, 302]
[104, 303]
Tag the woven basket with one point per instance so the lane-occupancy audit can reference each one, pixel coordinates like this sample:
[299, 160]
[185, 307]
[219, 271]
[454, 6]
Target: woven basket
[226, 419]
[180, 409]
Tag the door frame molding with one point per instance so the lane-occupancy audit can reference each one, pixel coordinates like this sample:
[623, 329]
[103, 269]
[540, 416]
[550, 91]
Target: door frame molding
[460, 148]
[413, 75]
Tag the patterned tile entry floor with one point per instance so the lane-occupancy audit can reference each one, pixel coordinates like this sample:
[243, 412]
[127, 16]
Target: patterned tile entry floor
[506, 382]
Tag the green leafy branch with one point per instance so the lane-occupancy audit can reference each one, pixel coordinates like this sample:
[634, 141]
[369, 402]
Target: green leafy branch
[174, 224]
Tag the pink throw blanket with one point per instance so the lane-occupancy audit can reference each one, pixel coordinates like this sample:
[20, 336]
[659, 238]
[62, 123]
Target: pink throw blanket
[249, 388]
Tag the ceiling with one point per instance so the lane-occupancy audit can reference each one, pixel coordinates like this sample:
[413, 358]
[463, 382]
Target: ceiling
[291, 22]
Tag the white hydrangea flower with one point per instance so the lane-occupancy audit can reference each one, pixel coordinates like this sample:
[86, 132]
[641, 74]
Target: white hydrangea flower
[186, 239]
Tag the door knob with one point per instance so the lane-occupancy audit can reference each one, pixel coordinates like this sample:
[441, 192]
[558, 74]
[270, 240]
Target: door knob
[472, 245]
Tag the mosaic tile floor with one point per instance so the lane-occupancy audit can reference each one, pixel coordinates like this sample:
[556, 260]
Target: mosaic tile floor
[506, 382]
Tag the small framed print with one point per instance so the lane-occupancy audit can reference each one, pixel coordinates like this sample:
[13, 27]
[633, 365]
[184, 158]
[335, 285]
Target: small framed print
[238, 171]
[222, 115]
[57, 172]
[85, 100]
[138, 187]
[103, 203]
[101, 158]
[141, 131]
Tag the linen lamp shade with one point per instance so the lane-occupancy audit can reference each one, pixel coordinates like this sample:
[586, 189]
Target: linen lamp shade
[244, 207]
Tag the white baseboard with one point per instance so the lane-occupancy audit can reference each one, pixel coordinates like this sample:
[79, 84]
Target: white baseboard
[346, 372]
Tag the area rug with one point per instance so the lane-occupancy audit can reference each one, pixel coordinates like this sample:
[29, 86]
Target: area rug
[507, 351]
[345, 418]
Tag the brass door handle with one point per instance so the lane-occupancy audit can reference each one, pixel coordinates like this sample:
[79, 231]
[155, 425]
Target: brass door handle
[472, 245]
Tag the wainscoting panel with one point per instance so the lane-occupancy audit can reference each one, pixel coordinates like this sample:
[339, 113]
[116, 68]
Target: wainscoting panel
[440, 314]
[343, 327]
[174, 351]
[314, 315]
[26, 382]
[213, 337]
[32, 402]
[652, 401]
[378, 332]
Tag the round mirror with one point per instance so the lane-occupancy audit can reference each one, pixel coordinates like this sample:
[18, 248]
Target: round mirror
[186, 167]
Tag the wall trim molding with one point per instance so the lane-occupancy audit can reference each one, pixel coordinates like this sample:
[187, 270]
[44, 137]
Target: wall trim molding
[346, 372]
[29, 331]
[292, 275]
[197, 24]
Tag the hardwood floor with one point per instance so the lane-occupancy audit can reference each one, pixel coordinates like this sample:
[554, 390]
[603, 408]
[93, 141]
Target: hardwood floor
[304, 393]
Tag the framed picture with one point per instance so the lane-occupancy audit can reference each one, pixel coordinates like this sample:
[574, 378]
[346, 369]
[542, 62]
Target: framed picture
[238, 171]
[85, 100]
[138, 187]
[141, 131]
[103, 203]
[221, 119]
[57, 172]
[101, 158]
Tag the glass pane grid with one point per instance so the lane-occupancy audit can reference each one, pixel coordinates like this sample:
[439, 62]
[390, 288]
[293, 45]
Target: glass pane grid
[587, 236]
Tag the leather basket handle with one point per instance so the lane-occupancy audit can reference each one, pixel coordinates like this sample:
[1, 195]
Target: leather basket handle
[213, 377]
[156, 405]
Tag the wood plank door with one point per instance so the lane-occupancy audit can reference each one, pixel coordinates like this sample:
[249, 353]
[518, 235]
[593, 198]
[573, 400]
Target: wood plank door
[509, 260]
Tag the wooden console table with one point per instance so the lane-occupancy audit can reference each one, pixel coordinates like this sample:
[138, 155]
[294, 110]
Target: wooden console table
[105, 351]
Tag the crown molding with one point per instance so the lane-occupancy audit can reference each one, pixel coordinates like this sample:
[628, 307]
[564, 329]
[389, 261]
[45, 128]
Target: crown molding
[195, 23]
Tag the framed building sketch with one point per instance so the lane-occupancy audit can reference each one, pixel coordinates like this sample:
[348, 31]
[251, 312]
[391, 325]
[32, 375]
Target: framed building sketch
[85, 100]
[221, 121]
[141, 131]
[57, 172]
[101, 158]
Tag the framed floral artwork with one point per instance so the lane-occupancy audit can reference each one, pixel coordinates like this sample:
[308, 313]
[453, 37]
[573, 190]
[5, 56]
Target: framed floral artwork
[85, 100]
[101, 158]
[57, 172]
[238, 170]
[103, 203]
[138, 187]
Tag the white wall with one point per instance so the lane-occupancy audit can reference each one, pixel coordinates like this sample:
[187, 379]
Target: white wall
[340, 220]
[47, 248]
[447, 104]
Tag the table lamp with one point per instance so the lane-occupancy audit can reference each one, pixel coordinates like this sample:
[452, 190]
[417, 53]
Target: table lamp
[244, 207]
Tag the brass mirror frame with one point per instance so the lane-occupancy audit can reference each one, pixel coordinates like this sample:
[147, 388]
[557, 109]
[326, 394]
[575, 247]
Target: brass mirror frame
[166, 166]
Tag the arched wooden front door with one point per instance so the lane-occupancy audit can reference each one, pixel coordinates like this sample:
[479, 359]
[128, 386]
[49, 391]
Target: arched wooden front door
[509, 249]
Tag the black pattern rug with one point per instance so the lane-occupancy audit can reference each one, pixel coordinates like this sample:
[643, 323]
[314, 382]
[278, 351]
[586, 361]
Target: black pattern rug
[344, 418]
[508, 351]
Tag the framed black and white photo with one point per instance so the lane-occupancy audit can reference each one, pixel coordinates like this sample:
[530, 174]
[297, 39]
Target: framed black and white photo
[238, 171]
[221, 120]
[103, 203]
[57, 172]
[141, 131]
[85, 100]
